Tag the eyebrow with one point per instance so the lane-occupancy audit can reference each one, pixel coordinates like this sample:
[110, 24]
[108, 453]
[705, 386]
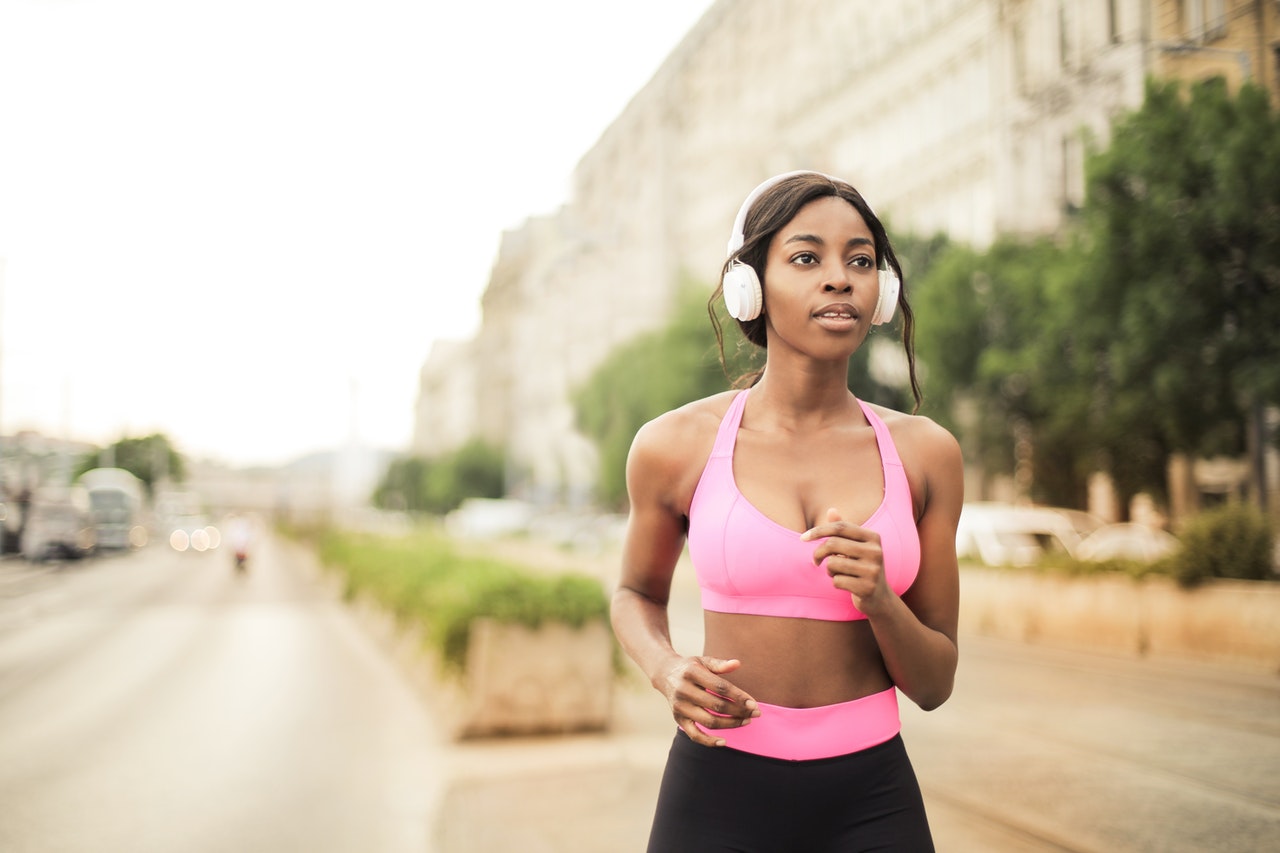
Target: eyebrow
[813, 238]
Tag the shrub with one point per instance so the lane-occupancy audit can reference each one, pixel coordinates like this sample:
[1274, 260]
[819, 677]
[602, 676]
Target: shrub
[424, 581]
[1231, 541]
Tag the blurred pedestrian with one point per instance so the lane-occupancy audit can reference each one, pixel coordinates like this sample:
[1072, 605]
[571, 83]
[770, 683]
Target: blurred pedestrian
[822, 533]
[240, 537]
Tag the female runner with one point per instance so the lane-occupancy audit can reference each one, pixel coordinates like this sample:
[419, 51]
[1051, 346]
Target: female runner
[822, 533]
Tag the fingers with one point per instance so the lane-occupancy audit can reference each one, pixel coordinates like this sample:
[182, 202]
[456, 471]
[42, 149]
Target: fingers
[836, 527]
[850, 554]
[724, 703]
[700, 697]
[698, 736]
[847, 541]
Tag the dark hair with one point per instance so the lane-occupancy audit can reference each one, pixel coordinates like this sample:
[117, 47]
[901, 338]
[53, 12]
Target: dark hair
[777, 206]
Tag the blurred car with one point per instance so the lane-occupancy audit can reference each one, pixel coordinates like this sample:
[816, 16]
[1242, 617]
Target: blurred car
[58, 525]
[482, 517]
[1127, 542]
[115, 503]
[10, 528]
[193, 533]
[999, 534]
[1083, 522]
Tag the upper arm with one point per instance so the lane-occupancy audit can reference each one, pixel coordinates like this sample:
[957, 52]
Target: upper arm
[659, 490]
[935, 595]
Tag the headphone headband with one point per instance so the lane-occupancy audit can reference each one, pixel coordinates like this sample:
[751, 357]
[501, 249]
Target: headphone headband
[737, 238]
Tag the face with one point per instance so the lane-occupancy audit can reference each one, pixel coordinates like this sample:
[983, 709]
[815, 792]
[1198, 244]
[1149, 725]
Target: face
[820, 282]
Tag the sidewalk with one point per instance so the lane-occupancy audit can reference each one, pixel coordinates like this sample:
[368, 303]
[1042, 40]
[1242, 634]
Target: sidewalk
[1012, 764]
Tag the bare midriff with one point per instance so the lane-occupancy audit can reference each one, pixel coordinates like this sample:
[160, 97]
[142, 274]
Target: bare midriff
[797, 663]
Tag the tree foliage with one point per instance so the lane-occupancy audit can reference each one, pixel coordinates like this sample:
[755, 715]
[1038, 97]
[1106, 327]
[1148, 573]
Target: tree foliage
[440, 485]
[993, 342]
[1145, 330]
[152, 459]
[1183, 226]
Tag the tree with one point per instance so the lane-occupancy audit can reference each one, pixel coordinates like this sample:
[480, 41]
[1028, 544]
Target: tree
[1146, 328]
[440, 485]
[152, 459]
[995, 342]
[1182, 227]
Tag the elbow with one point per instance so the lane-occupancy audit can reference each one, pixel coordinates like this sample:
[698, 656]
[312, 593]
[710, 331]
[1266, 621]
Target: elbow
[935, 700]
[934, 694]
[937, 686]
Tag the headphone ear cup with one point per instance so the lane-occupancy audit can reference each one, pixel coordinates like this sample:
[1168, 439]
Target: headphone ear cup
[887, 301]
[742, 294]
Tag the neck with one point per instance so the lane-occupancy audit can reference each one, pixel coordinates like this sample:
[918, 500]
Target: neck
[804, 399]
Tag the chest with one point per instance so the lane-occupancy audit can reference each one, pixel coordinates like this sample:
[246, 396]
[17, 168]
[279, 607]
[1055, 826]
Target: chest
[794, 480]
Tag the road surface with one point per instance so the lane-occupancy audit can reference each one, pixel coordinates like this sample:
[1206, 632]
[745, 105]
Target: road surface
[157, 702]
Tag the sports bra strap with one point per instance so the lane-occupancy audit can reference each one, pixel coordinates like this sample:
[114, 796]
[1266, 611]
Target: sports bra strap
[888, 450]
[727, 435]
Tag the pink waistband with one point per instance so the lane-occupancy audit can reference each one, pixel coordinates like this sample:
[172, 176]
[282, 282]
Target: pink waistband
[802, 734]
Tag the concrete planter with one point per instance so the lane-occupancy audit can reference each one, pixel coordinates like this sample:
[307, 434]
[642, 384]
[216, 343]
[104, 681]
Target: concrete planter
[1223, 621]
[516, 681]
[519, 680]
[553, 679]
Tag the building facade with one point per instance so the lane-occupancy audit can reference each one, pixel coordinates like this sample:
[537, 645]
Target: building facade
[965, 117]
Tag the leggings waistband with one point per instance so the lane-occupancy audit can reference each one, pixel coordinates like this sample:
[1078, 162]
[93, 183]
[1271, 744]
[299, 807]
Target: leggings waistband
[802, 734]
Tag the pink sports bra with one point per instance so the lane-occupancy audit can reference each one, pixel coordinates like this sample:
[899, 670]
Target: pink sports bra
[748, 563]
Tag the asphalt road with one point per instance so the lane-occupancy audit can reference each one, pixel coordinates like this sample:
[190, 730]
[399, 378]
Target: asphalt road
[157, 702]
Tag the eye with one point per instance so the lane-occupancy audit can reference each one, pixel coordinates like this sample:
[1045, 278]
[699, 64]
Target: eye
[864, 261]
[804, 258]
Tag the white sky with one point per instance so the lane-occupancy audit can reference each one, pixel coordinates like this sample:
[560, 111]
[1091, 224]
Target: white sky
[239, 222]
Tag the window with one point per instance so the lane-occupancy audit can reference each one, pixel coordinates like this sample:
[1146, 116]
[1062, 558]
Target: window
[1065, 40]
[1072, 165]
[1193, 18]
[1215, 19]
[1204, 19]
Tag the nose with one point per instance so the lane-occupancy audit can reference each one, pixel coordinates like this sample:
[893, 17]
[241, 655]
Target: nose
[836, 278]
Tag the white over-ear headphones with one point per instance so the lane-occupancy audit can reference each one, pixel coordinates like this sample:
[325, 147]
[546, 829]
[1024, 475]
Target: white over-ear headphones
[742, 294]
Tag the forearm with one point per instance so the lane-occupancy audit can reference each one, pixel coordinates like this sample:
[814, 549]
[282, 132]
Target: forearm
[641, 626]
[920, 660]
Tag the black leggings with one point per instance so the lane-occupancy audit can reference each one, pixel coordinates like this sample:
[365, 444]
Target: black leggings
[716, 800]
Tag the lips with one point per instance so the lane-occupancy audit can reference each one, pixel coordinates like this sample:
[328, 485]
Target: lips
[837, 311]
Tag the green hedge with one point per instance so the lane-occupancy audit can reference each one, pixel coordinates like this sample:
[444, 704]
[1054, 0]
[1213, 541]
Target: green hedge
[1231, 541]
[423, 580]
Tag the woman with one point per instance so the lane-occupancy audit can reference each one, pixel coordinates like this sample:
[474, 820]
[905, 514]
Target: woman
[822, 531]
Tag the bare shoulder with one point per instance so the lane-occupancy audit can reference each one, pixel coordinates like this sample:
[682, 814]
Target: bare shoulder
[680, 432]
[929, 452]
[917, 432]
[670, 451]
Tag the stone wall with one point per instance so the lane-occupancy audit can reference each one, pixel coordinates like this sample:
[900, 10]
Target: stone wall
[1235, 623]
